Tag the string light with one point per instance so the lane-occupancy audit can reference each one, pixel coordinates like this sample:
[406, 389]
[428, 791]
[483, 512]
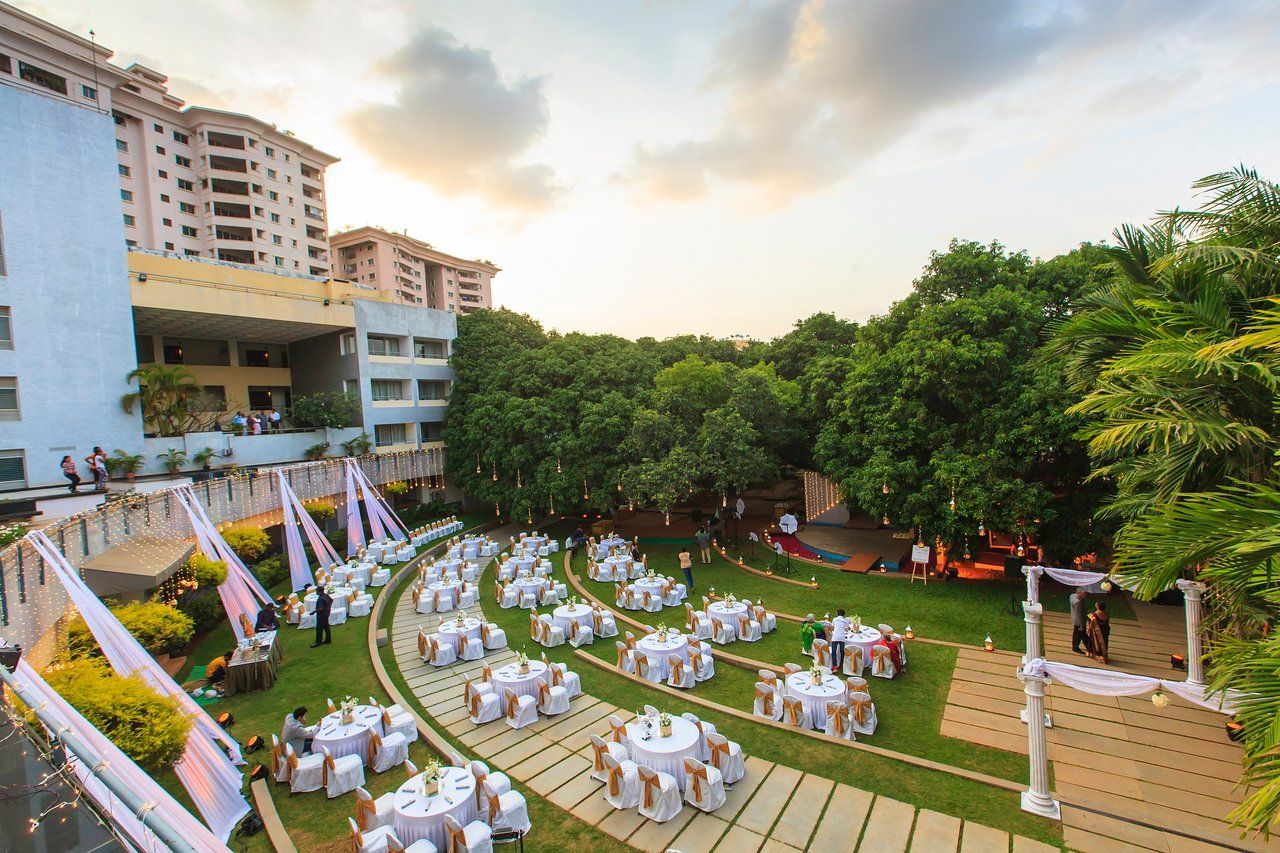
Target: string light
[477, 464]
[558, 471]
[518, 484]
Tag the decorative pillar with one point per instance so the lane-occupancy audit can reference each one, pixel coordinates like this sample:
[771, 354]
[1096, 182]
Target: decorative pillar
[1193, 593]
[1034, 617]
[1033, 583]
[1037, 798]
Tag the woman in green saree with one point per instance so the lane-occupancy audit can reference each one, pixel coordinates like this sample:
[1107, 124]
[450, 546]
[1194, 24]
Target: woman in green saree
[807, 634]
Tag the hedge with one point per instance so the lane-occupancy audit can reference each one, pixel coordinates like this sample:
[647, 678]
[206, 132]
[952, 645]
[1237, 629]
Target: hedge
[249, 543]
[203, 607]
[160, 629]
[272, 570]
[207, 572]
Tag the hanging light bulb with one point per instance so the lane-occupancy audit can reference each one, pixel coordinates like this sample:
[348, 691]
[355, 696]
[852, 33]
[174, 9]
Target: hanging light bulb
[967, 555]
[885, 488]
[884, 520]
[724, 500]
[953, 498]
[496, 511]
[552, 498]
[982, 530]
[666, 518]
[519, 485]
[631, 506]
[619, 485]
[1022, 550]
[495, 472]
[558, 470]
[586, 493]
[477, 463]
[528, 518]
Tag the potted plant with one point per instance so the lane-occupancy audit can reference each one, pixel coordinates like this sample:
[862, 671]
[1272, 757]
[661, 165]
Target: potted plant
[316, 451]
[124, 464]
[358, 446]
[173, 459]
[203, 458]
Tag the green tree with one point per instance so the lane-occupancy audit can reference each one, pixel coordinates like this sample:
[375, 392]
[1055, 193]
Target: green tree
[169, 397]
[332, 409]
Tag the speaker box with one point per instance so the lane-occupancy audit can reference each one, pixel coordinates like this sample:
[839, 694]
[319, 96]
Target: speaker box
[1013, 567]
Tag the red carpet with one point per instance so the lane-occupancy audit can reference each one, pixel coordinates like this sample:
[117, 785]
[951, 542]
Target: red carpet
[792, 545]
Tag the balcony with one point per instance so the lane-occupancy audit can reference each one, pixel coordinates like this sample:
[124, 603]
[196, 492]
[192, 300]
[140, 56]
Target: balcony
[317, 254]
[234, 211]
[228, 164]
[225, 140]
[237, 256]
[221, 185]
[231, 232]
[313, 212]
[314, 233]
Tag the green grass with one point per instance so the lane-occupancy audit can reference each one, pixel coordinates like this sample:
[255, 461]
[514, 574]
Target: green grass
[909, 708]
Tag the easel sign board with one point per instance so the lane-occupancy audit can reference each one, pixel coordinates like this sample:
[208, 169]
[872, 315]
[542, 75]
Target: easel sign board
[920, 554]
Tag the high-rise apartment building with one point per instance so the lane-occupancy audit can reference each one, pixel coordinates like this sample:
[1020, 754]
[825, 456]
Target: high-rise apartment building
[411, 271]
[193, 181]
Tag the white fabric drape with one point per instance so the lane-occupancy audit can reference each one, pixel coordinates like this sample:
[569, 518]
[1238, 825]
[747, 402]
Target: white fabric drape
[376, 506]
[205, 771]
[240, 592]
[355, 525]
[1107, 682]
[138, 780]
[295, 517]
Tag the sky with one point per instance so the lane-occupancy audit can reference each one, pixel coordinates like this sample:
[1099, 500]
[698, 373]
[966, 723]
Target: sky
[653, 167]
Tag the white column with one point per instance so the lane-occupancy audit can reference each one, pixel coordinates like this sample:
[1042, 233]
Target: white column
[1037, 799]
[1033, 583]
[1193, 592]
[1034, 617]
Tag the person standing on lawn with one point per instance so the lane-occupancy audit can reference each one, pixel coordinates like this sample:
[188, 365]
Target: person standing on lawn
[323, 604]
[686, 566]
[807, 635]
[703, 538]
[839, 633]
[1079, 621]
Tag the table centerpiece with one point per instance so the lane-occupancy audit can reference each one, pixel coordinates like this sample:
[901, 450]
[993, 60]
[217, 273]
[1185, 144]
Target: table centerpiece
[664, 724]
[430, 778]
[522, 661]
[348, 707]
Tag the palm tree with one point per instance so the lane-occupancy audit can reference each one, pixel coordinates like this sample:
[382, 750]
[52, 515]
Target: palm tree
[169, 397]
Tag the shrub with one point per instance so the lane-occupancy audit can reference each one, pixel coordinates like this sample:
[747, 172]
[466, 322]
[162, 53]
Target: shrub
[249, 543]
[333, 409]
[320, 510]
[338, 539]
[399, 487]
[160, 629]
[272, 570]
[203, 607]
[316, 451]
[207, 572]
[148, 727]
[10, 533]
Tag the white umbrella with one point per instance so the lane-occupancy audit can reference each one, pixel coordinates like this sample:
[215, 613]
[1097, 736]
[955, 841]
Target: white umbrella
[788, 523]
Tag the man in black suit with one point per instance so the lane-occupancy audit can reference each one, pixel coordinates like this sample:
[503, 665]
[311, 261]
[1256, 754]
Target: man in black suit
[323, 603]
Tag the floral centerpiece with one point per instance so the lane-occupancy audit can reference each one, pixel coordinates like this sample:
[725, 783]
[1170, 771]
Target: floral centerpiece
[650, 573]
[664, 724]
[522, 661]
[432, 773]
[857, 624]
[348, 707]
[662, 632]
[731, 599]
[462, 618]
[816, 674]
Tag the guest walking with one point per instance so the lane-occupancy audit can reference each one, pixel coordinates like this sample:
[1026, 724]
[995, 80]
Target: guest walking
[98, 465]
[69, 471]
[686, 566]
[703, 539]
[323, 603]
[1079, 622]
[1098, 634]
[807, 635]
[839, 635]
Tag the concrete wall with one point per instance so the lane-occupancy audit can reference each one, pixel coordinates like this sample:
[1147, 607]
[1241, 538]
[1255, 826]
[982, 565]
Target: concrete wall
[66, 284]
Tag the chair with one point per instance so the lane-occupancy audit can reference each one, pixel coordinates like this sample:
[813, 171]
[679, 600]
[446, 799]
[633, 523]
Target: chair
[673, 593]
[562, 591]
[424, 645]
[681, 673]
[475, 837]
[305, 773]
[387, 752]
[646, 669]
[822, 653]
[768, 622]
[862, 713]
[528, 598]
[469, 596]
[605, 624]
[726, 756]
[703, 786]
[507, 596]
[882, 662]
[580, 635]
[902, 648]
[622, 782]
[360, 605]
[552, 700]
[371, 813]
[441, 654]
[561, 675]
[379, 839]
[703, 730]
[887, 630]
[279, 766]
[472, 647]
[796, 713]
[401, 723]
[341, 775]
[838, 721]
[721, 631]
[550, 635]
[856, 684]
[651, 602]
[792, 668]
[499, 782]
[853, 662]
[491, 636]
[599, 749]
[549, 597]
[660, 799]
[626, 657]
[704, 665]
[621, 598]
[631, 640]
[423, 603]
[766, 702]
[696, 623]
[380, 577]
[748, 629]
[305, 620]
[521, 711]
[483, 707]
[507, 811]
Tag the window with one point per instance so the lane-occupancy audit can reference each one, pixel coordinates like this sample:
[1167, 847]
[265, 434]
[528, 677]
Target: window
[124, 170]
[182, 161]
[186, 208]
[387, 389]
[13, 469]
[129, 220]
[159, 128]
[186, 185]
[160, 149]
[173, 354]
[386, 434]
[132, 244]
[429, 389]
[168, 247]
[88, 92]
[271, 173]
[6, 328]
[279, 261]
[271, 152]
[256, 357]
[164, 198]
[5, 64]
[383, 346]
[277, 239]
[273, 195]
[372, 276]
[117, 118]
[9, 398]
[40, 77]
[162, 173]
[166, 222]
[214, 398]
[127, 195]
[347, 344]
[275, 217]
[188, 231]
[121, 145]
[260, 398]
[423, 348]
[181, 137]
[351, 387]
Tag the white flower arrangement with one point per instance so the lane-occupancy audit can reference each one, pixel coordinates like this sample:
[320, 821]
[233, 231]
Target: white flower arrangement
[664, 719]
[661, 631]
[731, 599]
[857, 623]
[522, 659]
[348, 704]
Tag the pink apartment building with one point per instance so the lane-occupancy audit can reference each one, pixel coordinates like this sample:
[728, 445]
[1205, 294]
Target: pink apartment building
[414, 272]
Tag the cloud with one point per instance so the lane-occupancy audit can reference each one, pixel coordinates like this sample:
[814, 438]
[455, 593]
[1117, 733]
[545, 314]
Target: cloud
[815, 87]
[457, 126]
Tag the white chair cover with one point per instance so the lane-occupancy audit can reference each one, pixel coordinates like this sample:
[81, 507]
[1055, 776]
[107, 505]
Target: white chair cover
[726, 756]
[392, 752]
[341, 775]
[520, 711]
[660, 799]
[622, 783]
[703, 786]
[552, 700]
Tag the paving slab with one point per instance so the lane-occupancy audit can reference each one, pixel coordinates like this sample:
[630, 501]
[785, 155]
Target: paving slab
[770, 799]
[505, 740]
[479, 734]
[593, 809]
[889, 826]
[979, 838]
[534, 763]
[773, 845]
[622, 822]
[796, 823]
[756, 770]
[575, 791]
[739, 839]
[841, 825]
[1022, 844]
[935, 833]
[701, 834]
[655, 837]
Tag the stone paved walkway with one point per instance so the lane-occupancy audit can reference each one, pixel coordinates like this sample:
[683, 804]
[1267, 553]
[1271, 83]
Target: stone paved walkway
[774, 808]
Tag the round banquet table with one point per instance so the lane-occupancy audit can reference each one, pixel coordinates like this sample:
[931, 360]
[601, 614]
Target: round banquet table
[523, 563]
[470, 550]
[665, 754]
[660, 653]
[449, 592]
[727, 613]
[533, 585]
[864, 639]
[602, 550]
[509, 677]
[815, 697]
[339, 593]
[352, 739]
[566, 613]
[470, 627]
[614, 568]
[361, 572]
[653, 587]
[417, 817]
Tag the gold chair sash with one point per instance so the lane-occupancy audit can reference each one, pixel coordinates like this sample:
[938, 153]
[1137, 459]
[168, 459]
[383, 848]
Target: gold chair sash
[767, 696]
[615, 773]
[513, 703]
[860, 708]
[457, 839]
[622, 656]
[375, 744]
[599, 749]
[649, 783]
[718, 749]
[619, 733]
[534, 630]
[365, 812]
[839, 716]
[697, 772]
[677, 668]
[793, 710]
[422, 645]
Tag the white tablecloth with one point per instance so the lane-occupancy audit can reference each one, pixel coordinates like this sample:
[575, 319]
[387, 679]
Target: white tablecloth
[470, 549]
[522, 685]
[566, 613]
[727, 613]
[449, 592]
[417, 817]
[614, 568]
[660, 654]
[339, 596]
[654, 587]
[864, 639]
[815, 697]
[470, 627]
[602, 549]
[533, 585]
[352, 739]
[665, 754]
[523, 563]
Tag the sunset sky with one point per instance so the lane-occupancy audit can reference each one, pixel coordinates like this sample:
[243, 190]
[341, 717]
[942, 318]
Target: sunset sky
[661, 167]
